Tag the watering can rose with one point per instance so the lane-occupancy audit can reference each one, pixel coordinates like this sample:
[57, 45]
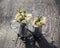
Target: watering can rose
[39, 21]
[23, 17]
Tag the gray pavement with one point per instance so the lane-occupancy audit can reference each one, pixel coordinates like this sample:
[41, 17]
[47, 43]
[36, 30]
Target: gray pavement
[48, 8]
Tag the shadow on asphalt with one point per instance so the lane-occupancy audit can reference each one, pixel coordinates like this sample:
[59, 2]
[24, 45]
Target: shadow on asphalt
[39, 38]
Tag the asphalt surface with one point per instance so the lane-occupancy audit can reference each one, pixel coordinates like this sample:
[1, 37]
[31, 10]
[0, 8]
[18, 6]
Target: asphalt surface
[47, 8]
